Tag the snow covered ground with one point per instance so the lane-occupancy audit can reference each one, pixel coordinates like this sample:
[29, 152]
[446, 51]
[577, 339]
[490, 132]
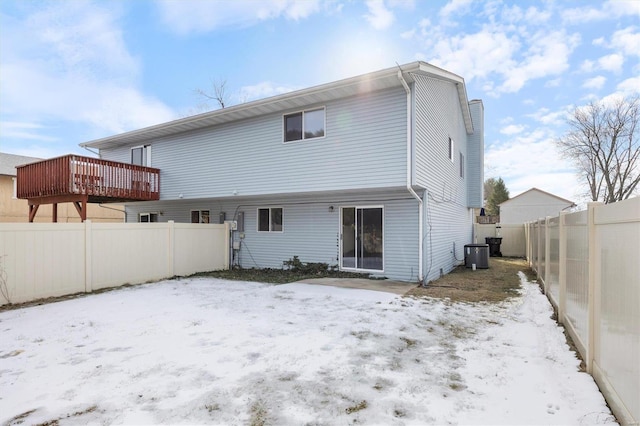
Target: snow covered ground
[208, 351]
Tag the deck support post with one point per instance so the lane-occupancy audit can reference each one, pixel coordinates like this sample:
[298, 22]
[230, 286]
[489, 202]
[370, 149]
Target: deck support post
[54, 213]
[81, 207]
[33, 209]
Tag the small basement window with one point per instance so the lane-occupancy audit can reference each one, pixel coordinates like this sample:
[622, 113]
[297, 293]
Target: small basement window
[148, 217]
[199, 216]
[270, 219]
[304, 125]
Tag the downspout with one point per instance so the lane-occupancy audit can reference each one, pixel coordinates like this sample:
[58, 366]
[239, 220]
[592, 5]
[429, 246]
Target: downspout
[409, 175]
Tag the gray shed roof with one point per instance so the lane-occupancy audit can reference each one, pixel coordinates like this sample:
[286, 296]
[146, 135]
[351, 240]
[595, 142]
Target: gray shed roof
[9, 162]
[378, 80]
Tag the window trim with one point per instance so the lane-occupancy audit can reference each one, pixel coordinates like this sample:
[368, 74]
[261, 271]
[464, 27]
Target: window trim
[200, 211]
[150, 216]
[452, 146]
[303, 111]
[270, 208]
[146, 154]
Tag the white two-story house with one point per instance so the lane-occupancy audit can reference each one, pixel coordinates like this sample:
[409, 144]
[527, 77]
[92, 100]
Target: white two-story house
[377, 173]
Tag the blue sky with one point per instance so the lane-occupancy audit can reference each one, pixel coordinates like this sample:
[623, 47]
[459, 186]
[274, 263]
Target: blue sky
[73, 71]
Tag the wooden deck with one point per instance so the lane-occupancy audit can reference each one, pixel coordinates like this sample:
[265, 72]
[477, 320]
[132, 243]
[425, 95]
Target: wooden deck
[81, 180]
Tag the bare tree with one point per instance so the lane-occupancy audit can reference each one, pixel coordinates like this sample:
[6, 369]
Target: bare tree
[604, 145]
[217, 93]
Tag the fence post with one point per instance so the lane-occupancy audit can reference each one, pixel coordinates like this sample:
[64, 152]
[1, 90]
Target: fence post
[562, 267]
[172, 247]
[88, 258]
[540, 247]
[594, 285]
[526, 241]
[547, 252]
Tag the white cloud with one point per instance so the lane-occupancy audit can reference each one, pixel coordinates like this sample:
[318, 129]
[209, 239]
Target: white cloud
[587, 66]
[611, 62]
[379, 16]
[532, 160]
[594, 83]
[512, 129]
[548, 54]
[505, 54]
[627, 41]
[262, 90]
[553, 83]
[197, 16]
[611, 9]
[629, 86]
[534, 15]
[581, 15]
[24, 131]
[68, 63]
[454, 6]
[476, 55]
[546, 116]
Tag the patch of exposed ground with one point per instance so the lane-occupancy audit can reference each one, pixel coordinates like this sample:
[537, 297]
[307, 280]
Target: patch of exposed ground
[497, 283]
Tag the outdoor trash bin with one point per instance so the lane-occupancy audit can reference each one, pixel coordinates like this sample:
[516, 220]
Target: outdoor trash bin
[494, 246]
[476, 254]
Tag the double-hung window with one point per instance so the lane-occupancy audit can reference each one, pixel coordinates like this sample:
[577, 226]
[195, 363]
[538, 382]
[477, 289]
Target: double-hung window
[141, 155]
[270, 219]
[304, 125]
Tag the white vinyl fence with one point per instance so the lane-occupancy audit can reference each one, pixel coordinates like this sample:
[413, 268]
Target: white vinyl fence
[589, 264]
[513, 240]
[39, 260]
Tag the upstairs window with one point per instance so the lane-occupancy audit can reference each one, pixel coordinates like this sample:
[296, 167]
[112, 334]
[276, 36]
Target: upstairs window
[461, 165]
[141, 155]
[451, 149]
[199, 216]
[304, 125]
[270, 219]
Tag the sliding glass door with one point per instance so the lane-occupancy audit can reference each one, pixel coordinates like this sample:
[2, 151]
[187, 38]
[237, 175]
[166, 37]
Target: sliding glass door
[362, 238]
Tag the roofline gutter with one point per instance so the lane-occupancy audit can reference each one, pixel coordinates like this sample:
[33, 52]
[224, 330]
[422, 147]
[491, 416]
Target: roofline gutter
[409, 176]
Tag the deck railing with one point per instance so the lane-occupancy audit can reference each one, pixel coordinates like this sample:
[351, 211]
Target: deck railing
[78, 175]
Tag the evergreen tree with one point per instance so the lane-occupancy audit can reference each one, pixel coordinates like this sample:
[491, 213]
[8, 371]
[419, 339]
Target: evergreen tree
[497, 194]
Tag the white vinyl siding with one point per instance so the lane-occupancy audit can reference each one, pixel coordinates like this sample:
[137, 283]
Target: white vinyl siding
[447, 218]
[364, 148]
[312, 229]
[475, 156]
